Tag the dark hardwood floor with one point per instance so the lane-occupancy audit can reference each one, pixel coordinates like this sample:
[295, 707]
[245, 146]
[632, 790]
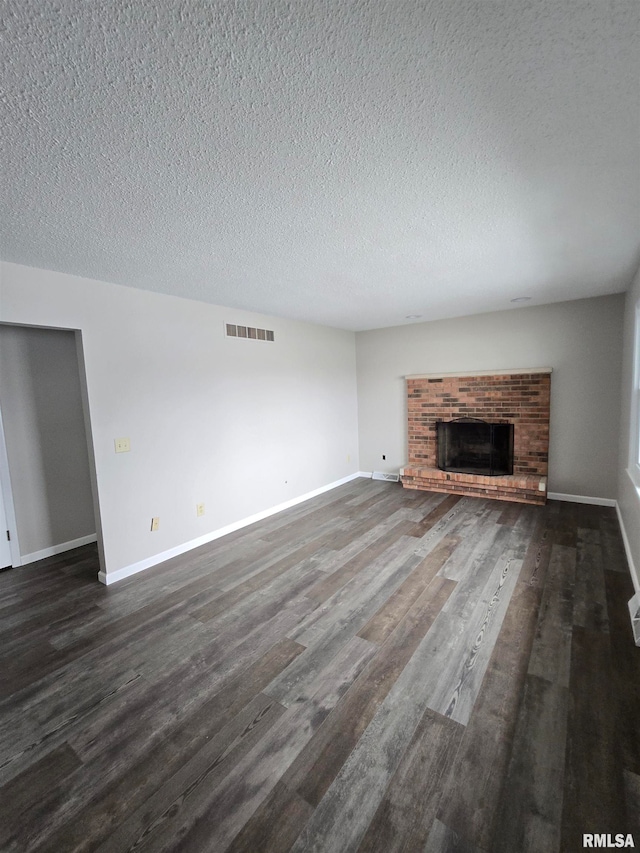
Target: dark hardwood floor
[374, 670]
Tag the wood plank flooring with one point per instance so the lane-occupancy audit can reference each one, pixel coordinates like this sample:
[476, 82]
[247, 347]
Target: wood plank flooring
[377, 669]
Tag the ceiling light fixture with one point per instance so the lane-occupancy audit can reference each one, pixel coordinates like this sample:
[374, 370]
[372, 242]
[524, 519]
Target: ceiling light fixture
[522, 299]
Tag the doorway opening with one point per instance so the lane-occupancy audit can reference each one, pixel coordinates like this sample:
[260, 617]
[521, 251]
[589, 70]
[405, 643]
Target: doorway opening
[47, 466]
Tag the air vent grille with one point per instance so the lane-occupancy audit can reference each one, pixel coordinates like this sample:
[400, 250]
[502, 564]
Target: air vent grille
[248, 332]
[382, 475]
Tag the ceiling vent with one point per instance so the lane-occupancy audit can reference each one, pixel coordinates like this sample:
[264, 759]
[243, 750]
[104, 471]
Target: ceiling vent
[250, 333]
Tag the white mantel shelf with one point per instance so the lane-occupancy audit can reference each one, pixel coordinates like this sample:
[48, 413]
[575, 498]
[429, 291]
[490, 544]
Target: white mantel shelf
[474, 373]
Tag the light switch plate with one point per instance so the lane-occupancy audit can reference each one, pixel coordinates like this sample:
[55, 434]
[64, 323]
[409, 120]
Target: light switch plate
[123, 445]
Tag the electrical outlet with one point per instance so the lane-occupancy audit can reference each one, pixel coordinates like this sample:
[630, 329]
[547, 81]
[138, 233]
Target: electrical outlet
[155, 523]
[123, 445]
[199, 509]
[348, 457]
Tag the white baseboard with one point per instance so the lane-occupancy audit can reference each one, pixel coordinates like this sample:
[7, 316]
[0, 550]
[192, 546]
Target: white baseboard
[119, 574]
[57, 549]
[581, 499]
[635, 577]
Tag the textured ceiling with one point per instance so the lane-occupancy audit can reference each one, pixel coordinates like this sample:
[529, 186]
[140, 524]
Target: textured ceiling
[347, 162]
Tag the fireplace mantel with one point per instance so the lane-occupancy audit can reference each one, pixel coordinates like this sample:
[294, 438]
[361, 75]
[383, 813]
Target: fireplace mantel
[474, 373]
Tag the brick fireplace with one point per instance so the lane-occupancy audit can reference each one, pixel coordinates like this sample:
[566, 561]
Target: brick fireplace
[518, 397]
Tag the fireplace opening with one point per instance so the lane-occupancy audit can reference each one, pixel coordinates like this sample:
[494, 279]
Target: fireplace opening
[475, 447]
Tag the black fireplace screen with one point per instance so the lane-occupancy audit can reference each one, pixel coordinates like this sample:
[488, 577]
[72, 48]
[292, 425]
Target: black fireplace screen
[475, 447]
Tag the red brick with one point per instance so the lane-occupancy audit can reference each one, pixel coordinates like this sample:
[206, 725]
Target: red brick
[521, 399]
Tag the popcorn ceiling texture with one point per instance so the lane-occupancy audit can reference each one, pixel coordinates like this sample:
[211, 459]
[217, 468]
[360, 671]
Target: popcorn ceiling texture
[346, 163]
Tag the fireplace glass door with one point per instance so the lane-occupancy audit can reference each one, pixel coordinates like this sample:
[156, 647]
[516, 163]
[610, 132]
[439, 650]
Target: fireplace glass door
[470, 447]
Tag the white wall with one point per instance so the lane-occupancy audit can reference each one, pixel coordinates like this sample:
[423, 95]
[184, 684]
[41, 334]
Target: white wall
[241, 426]
[45, 438]
[580, 340]
[628, 495]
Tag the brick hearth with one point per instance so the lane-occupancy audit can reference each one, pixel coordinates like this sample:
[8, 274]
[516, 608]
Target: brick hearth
[520, 398]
